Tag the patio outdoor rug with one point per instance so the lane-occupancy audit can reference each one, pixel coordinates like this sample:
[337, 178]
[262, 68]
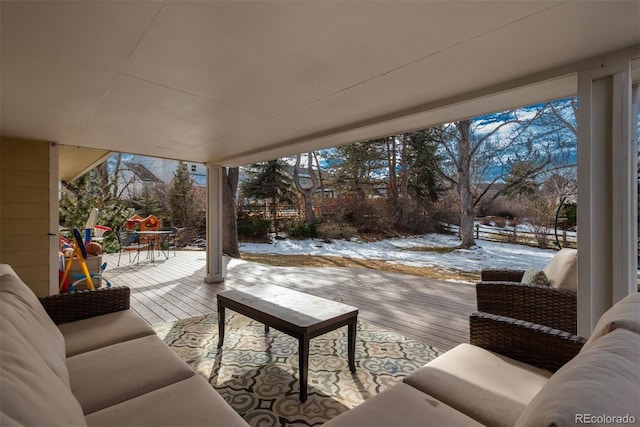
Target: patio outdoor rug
[257, 373]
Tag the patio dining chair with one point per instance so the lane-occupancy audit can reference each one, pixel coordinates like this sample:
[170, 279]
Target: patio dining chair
[171, 240]
[168, 242]
[545, 297]
[128, 242]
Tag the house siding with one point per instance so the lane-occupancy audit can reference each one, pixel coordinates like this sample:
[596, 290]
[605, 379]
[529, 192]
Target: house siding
[25, 210]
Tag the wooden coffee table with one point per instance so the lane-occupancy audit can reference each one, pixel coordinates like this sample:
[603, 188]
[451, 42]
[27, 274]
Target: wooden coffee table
[297, 314]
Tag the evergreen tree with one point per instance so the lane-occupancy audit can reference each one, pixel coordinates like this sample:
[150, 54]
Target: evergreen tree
[425, 184]
[269, 181]
[183, 203]
[148, 203]
[521, 179]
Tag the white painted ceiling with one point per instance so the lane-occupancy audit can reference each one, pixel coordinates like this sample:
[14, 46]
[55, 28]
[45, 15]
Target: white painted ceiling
[232, 82]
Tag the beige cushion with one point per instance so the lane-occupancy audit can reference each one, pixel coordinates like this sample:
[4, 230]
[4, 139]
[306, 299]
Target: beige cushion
[192, 402]
[21, 309]
[101, 331]
[401, 405]
[486, 386]
[625, 315]
[113, 374]
[603, 380]
[31, 393]
[562, 270]
[535, 277]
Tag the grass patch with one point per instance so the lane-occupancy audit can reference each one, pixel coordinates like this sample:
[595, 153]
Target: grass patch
[374, 264]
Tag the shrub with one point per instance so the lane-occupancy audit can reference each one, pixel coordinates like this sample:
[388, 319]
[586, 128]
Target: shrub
[336, 230]
[541, 219]
[569, 211]
[253, 228]
[500, 222]
[351, 213]
[486, 220]
[301, 230]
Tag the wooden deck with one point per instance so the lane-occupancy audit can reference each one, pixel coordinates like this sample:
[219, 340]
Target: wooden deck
[430, 311]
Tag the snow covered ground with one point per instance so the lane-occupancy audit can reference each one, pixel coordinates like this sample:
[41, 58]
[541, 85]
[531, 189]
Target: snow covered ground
[484, 255]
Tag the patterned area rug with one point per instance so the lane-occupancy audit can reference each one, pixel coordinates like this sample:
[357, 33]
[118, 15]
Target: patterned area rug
[257, 373]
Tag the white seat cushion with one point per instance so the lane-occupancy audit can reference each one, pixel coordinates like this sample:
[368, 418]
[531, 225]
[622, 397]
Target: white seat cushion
[110, 375]
[101, 331]
[191, 402]
[488, 387]
[401, 405]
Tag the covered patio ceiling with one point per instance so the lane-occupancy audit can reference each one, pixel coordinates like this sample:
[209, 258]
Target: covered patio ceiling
[230, 83]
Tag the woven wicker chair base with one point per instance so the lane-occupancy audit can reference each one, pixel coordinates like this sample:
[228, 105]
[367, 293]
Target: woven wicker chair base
[531, 343]
[69, 307]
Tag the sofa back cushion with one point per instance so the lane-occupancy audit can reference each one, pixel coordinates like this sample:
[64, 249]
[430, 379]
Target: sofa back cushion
[562, 270]
[32, 393]
[625, 314]
[21, 309]
[603, 380]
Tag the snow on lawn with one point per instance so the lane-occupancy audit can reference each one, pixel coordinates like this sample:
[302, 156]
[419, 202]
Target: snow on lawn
[398, 250]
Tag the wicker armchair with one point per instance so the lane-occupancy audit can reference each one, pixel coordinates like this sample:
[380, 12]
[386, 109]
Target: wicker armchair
[531, 343]
[501, 293]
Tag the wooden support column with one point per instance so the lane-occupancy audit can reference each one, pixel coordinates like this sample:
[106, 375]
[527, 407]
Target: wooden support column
[215, 265]
[54, 218]
[607, 190]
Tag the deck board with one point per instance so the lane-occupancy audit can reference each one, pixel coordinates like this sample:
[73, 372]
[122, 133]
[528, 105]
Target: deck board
[430, 311]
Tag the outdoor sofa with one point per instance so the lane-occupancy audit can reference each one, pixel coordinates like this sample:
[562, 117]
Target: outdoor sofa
[517, 373]
[87, 359]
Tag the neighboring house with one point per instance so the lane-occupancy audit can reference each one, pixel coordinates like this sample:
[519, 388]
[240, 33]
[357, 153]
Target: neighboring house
[139, 171]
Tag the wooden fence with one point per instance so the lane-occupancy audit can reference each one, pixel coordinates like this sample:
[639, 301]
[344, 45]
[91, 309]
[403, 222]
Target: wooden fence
[519, 236]
[291, 212]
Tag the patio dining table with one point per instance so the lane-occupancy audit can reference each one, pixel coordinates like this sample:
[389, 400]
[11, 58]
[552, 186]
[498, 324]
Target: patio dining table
[155, 238]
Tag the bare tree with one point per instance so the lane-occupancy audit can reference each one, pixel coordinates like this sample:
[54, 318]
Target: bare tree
[358, 166]
[460, 145]
[392, 156]
[535, 139]
[122, 182]
[230, 177]
[560, 187]
[307, 191]
[397, 148]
